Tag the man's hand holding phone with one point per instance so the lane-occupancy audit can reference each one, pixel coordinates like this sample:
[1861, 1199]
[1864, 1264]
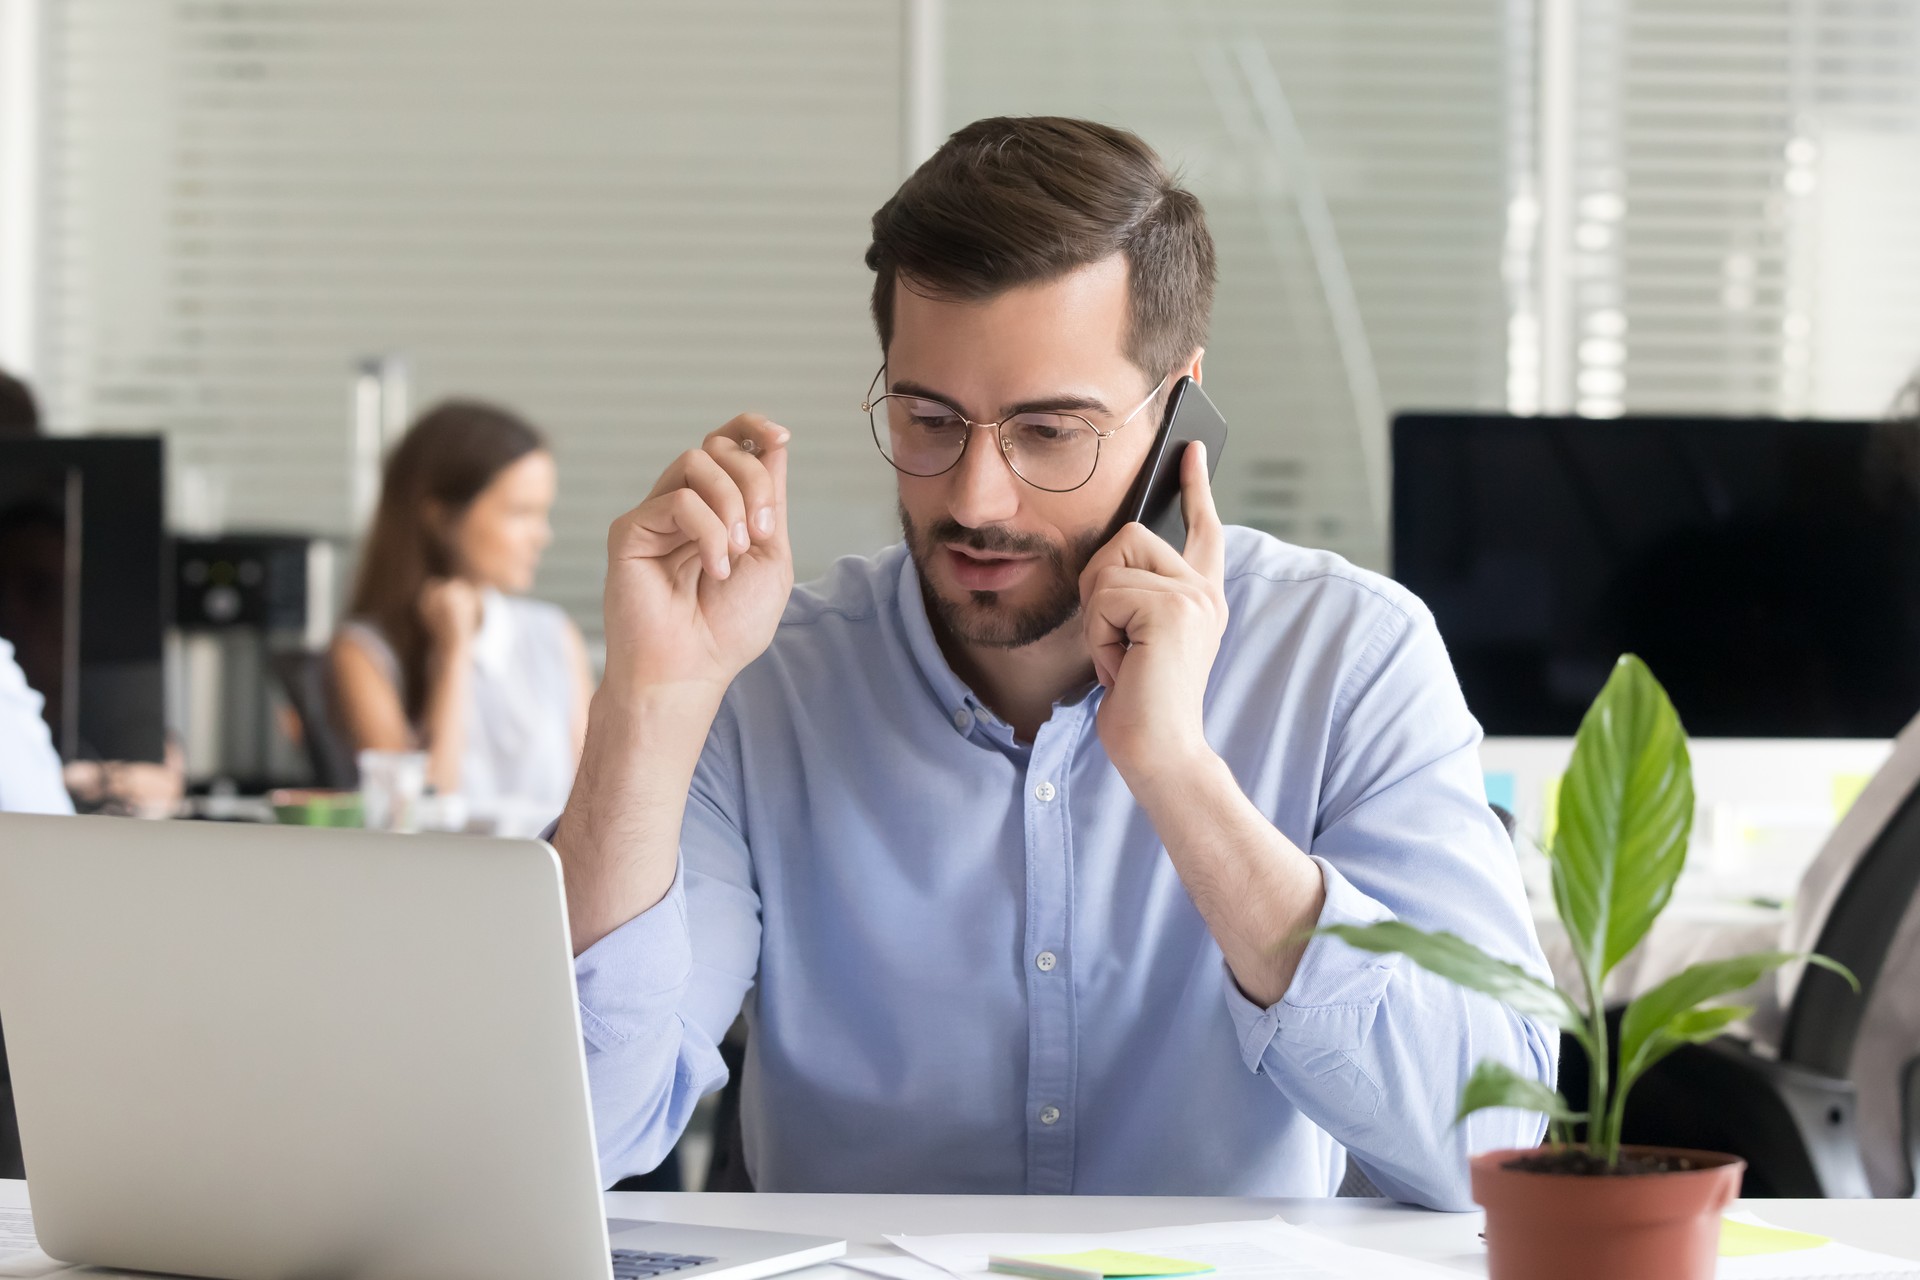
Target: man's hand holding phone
[1154, 618]
[697, 578]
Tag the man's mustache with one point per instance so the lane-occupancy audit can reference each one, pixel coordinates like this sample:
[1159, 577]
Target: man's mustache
[991, 537]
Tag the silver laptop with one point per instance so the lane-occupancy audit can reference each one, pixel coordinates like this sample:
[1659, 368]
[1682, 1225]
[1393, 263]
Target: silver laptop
[274, 1053]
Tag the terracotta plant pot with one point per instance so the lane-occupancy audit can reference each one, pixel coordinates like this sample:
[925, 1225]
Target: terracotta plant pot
[1647, 1226]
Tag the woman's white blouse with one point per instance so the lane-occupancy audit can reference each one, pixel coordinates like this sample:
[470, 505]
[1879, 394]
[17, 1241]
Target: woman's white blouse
[518, 763]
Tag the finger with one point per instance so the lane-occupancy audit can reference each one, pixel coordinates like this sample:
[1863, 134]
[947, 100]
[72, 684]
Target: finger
[750, 475]
[716, 487]
[1135, 547]
[1206, 547]
[1112, 614]
[1107, 646]
[1145, 589]
[763, 438]
[661, 526]
[777, 471]
[754, 432]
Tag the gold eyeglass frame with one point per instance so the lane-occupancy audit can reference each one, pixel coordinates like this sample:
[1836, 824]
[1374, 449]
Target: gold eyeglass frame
[871, 402]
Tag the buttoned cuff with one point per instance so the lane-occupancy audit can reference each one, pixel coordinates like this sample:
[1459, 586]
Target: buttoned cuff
[1331, 1001]
[630, 979]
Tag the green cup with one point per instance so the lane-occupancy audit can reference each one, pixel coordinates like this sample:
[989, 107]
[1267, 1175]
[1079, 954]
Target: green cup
[310, 807]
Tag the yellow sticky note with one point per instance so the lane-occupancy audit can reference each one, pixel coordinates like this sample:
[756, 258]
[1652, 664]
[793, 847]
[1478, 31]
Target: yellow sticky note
[1746, 1239]
[1846, 789]
[1115, 1262]
[1550, 813]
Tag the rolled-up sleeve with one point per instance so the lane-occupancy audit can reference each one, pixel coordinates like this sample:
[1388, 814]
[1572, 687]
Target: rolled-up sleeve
[1373, 1048]
[658, 993]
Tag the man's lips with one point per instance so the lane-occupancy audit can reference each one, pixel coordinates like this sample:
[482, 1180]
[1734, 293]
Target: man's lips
[986, 570]
[974, 553]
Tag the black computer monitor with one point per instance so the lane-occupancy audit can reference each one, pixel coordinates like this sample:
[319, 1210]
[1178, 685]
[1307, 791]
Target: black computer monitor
[1767, 570]
[84, 588]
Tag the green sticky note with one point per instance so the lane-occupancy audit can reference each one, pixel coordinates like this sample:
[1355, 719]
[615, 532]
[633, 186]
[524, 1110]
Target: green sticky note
[1115, 1262]
[1748, 1239]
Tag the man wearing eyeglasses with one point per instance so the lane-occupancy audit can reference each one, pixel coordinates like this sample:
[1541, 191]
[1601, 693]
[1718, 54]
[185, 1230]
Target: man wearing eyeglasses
[1007, 839]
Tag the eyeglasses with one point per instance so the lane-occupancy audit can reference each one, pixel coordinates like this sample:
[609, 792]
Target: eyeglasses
[1056, 452]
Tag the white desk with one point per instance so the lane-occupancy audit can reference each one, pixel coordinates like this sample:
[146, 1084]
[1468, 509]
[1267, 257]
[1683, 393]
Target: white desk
[1449, 1239]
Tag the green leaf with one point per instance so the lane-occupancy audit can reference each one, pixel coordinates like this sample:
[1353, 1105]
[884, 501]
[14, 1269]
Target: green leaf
[1459, 961]
[1625, 809]
[1494, 1084]
[1657, 1019]
[1695, 1026]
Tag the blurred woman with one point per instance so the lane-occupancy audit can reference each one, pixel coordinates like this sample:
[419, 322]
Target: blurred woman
[441, 651]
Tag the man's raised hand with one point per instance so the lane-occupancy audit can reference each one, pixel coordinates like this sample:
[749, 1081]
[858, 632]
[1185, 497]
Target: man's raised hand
[699, 573]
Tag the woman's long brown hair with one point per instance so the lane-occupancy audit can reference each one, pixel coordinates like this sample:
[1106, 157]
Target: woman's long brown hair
[450, 454]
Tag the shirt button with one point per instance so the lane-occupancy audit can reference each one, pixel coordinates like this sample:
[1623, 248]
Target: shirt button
[963, 719]
[1043, 792]
[1045, 961]
[1049, 1115]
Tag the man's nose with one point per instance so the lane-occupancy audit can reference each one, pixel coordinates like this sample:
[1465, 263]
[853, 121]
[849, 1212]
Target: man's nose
[984, 488]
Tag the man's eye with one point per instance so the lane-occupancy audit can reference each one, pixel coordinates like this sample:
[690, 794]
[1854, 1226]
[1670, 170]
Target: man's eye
[929, 414]
[1046, 431]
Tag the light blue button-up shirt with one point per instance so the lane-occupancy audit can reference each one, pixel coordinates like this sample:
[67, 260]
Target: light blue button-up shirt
[968, 965]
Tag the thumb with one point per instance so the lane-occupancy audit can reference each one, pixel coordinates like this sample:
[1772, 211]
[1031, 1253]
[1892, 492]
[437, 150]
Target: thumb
[1206, 548]
[776, 463]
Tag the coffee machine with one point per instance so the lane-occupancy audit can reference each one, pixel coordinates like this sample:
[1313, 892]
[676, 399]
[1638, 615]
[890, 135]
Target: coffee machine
[253, 615]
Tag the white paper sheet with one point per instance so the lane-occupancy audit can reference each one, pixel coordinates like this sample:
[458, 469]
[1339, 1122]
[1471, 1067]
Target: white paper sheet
[1832, 1259]
[1267, 1249]
[897, 1266]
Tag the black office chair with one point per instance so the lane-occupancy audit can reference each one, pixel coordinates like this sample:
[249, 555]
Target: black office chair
[303, 678]
[1792, 1118]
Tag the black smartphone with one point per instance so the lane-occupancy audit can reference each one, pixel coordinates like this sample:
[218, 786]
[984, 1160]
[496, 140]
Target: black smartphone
[1155, 498]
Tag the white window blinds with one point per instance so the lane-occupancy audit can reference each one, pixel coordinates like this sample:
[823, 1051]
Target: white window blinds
[629, 221]
[1745, 211]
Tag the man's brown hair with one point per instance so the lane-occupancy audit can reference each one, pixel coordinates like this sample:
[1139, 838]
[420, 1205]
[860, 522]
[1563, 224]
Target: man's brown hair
[1017, 200]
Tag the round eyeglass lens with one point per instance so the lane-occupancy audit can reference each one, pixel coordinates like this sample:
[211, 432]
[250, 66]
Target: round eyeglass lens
[920, 437]
[1054, 451]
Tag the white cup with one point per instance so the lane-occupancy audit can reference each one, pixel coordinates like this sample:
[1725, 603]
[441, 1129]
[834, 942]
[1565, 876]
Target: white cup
[391, 784]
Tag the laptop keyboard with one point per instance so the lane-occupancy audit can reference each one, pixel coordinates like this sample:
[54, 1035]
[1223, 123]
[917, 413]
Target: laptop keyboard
[642, 1264]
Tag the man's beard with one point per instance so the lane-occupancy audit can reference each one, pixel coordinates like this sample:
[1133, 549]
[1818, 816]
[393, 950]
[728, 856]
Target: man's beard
[984, 620]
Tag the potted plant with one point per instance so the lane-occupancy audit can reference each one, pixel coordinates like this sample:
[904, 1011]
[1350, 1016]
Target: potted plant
[1593, 1209]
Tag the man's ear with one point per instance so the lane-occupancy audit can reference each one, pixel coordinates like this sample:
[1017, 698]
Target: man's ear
[1192, 369]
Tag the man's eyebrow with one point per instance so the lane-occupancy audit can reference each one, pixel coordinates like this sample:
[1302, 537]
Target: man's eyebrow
[1062, 403]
